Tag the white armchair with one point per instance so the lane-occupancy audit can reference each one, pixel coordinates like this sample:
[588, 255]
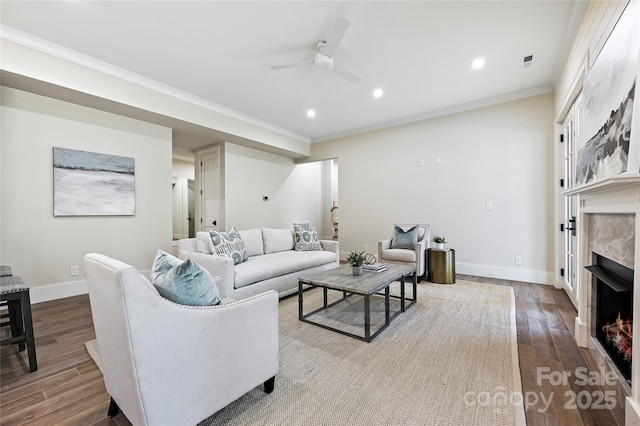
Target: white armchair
[416, 255]
[165, 363]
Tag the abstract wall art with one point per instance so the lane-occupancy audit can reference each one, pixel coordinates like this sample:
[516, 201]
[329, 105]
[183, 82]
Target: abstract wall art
[92, 184]
[608, 102]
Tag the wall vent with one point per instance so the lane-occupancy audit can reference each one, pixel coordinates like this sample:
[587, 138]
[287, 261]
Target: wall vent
[527, 61]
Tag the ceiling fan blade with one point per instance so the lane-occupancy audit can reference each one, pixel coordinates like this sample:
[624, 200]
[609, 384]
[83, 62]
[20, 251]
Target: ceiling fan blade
[347, 75]
[297, 64]
[335, 36]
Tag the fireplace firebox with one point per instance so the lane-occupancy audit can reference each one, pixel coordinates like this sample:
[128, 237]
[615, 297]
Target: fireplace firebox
[614, 311]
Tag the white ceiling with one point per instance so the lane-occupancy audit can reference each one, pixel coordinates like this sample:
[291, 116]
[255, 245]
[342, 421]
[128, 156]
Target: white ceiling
[418, 52]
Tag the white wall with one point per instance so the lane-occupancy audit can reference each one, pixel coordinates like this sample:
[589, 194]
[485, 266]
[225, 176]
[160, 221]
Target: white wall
[40, 247]
[294, 191]
[183, 169]
[501, 154]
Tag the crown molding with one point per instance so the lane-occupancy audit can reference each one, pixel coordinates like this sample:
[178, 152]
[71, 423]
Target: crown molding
[27, 40]
[508, 97]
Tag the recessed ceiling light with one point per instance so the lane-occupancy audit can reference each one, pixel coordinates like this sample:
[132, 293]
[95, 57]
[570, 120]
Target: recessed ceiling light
[477, 63]
[378, 93]
[311, 113]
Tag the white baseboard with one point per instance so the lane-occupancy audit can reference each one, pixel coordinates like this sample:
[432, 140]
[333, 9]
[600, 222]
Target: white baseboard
[58, 291]
[500, 272]
[49, 292]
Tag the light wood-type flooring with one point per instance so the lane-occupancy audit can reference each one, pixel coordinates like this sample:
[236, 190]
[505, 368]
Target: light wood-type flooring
[68, 388]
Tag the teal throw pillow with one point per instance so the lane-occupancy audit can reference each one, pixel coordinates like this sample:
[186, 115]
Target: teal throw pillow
[229, 244]
[186, 283]
[306, 237]
[405, 239]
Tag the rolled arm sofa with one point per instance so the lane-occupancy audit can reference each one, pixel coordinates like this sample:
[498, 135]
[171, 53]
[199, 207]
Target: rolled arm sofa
[272, 261]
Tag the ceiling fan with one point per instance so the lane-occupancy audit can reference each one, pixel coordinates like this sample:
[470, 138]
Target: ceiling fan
[323, 60]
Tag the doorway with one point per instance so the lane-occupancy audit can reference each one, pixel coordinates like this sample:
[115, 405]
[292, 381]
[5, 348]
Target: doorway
[183, 191]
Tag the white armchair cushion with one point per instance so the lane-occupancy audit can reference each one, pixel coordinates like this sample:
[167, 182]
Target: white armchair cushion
[399, 255]
[186, 283]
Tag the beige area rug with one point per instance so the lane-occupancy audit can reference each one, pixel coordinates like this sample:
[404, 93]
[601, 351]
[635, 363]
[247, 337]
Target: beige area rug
[450, 359]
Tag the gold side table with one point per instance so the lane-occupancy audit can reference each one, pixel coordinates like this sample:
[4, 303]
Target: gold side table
[442, 266]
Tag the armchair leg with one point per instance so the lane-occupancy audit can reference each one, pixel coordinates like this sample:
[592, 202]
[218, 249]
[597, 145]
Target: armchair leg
[269, 385]
[113, 408]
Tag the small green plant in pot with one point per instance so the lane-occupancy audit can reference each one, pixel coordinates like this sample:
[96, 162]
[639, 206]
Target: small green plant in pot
[439, 241]
[356, 260]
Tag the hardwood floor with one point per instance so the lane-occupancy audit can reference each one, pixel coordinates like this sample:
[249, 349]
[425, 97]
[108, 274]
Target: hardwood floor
[68, 389]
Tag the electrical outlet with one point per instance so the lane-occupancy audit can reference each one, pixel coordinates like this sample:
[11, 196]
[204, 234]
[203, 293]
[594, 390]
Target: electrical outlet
[489, 205]
[364, 247]
[421, 163]
[74, 271]
[518, 260]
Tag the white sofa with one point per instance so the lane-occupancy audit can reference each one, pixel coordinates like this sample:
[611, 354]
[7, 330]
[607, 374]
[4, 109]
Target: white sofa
[170, 364]
[272, 262]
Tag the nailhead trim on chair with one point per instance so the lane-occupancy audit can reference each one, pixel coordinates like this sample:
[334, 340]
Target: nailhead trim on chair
[12, 284]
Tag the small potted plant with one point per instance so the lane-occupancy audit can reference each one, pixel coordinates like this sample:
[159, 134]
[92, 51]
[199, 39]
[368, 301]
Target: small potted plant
[356, 260]
[440, 241]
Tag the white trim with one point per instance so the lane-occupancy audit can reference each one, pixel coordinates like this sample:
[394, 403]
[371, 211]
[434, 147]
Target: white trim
[508, 97]
[46, 293]
[60, 52]
[500, 272]
[57, 291]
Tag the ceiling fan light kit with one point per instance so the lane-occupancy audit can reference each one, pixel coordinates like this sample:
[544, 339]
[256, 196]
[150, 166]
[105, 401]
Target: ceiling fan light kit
[322, 62]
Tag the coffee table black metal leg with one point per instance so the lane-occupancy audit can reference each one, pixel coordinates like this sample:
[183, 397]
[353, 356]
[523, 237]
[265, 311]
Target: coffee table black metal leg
[367, 319]
[415, 287]
[387, 298]
[325, 297]
[300, 315]
[402, 294]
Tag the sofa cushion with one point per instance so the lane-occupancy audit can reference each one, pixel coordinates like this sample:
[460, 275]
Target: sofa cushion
[306, 237]
[252, 239]
[186, 283]
[276, 240]
[405, 238]
[203, 242]
[260, 268]
[229, 244]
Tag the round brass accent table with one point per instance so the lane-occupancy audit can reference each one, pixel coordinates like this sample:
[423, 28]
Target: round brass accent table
[442, 266]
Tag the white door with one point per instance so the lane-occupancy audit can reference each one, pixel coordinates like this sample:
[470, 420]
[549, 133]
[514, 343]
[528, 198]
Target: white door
[571, 222]
[210, 190]
[180, 223]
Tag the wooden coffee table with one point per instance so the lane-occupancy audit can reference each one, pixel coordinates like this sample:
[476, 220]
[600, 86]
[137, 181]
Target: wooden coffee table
[367, 285]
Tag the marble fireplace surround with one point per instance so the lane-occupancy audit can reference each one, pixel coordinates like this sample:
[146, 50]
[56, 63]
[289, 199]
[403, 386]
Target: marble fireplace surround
[608, 224]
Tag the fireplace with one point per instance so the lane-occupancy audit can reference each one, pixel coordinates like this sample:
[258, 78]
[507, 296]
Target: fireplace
[613, 327]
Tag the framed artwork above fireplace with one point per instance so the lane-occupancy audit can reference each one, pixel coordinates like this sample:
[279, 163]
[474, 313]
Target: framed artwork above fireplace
[608, 145]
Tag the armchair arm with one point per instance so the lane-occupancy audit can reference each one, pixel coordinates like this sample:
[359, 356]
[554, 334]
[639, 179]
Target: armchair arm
[421, 248]
[210, 355]
[383, 245]
[217, 266]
